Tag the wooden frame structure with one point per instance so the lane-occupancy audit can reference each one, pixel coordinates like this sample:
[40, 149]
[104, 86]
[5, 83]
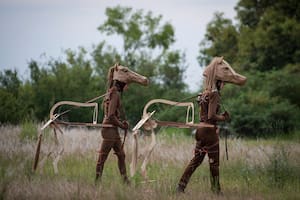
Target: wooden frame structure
[115, 73]
[55, 124]
[150, 124]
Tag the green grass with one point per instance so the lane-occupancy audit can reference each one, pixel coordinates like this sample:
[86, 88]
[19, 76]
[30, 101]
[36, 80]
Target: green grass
[256, 169]
[28, 130]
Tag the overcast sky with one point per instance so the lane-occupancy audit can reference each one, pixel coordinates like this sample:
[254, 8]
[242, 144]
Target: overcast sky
[33, 28]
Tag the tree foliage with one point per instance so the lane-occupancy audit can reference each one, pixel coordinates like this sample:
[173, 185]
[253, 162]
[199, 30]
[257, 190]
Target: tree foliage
[266, 49]
[221, 38]
[57, 81]
[14, 97]
[147, 42]
[146, 49]
[269, 33]
[263, 44]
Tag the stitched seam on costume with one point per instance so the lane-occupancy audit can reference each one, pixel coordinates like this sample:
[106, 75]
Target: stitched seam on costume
[104, 139]
[206, 149]
[100, 152]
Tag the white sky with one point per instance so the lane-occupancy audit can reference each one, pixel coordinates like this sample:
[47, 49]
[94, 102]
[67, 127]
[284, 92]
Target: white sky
[32, 28]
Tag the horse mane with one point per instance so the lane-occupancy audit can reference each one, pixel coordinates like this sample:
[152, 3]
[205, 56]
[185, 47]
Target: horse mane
[110, 76]
[210, 74]
[109, 84]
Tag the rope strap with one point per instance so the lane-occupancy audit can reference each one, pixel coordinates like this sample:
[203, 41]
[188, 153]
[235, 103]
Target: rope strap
[206, 149]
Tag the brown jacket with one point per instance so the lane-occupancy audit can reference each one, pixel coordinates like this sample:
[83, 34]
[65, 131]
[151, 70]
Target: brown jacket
[112, 108]
[209, 103]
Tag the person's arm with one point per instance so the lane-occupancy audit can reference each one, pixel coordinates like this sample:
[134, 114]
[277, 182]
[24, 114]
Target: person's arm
[112, 108]
[212, 108]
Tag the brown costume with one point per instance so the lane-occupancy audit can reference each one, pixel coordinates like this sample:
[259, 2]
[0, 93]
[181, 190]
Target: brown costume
[111, 137]
[207, 140]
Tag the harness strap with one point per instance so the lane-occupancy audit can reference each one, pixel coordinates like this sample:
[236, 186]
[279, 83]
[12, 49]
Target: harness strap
[102, 153]
[226, 147]
[125, 134]
[112, 140]
[206, 149]
[96, 98]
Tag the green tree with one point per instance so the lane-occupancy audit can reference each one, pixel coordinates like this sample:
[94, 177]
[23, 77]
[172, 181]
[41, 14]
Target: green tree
[266, 49]
[221, 39]
[285, 83]
[146, 49]
[8, 107]
[70, 80]
[269, 33]
[257, 111]
[10, 81]
[80, 77]
[14, 98]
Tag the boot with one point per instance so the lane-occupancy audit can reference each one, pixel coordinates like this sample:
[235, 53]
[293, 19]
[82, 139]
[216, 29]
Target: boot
[215, 185]
[126, 180]
[97, 179]
[99, 170]
[179, 189]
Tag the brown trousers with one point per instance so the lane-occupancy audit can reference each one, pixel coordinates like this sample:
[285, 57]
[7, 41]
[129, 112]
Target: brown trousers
[207, 141]
[111, 140]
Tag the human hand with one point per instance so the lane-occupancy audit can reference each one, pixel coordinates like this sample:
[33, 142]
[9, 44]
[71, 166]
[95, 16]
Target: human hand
[226, 116]
[125, 125]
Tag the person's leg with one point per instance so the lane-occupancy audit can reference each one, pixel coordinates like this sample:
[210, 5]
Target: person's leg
[103, 154]
[119, 151]
[199, 155]
[213, 154]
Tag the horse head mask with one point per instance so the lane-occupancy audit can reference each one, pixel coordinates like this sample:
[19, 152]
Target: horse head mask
[219, 69]
[125, 75]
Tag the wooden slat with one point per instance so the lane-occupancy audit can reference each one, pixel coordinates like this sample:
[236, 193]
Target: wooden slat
[184, 125]
[83, 124]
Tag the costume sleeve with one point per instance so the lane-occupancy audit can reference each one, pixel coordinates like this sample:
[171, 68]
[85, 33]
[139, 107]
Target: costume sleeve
[214, 100]
[112, 110]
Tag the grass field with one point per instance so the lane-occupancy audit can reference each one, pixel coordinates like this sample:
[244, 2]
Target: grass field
[256, 169]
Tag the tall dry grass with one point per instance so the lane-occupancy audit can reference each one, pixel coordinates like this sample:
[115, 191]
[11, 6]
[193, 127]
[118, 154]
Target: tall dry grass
[256, 169]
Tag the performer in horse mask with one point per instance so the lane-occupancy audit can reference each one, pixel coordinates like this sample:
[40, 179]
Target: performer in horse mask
[118, 78]
[217, 73]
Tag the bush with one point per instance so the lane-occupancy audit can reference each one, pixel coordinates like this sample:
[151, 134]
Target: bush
[256, 113]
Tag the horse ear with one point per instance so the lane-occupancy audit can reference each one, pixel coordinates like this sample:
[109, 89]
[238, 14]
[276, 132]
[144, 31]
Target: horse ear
[110, 77]
[116, 66]
[220, 59]
[205, 72]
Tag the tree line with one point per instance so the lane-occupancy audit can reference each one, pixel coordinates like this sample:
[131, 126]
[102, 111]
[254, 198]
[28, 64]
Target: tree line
[263, 45]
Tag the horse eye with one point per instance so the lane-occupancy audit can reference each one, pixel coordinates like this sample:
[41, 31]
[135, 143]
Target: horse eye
[226, 68]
